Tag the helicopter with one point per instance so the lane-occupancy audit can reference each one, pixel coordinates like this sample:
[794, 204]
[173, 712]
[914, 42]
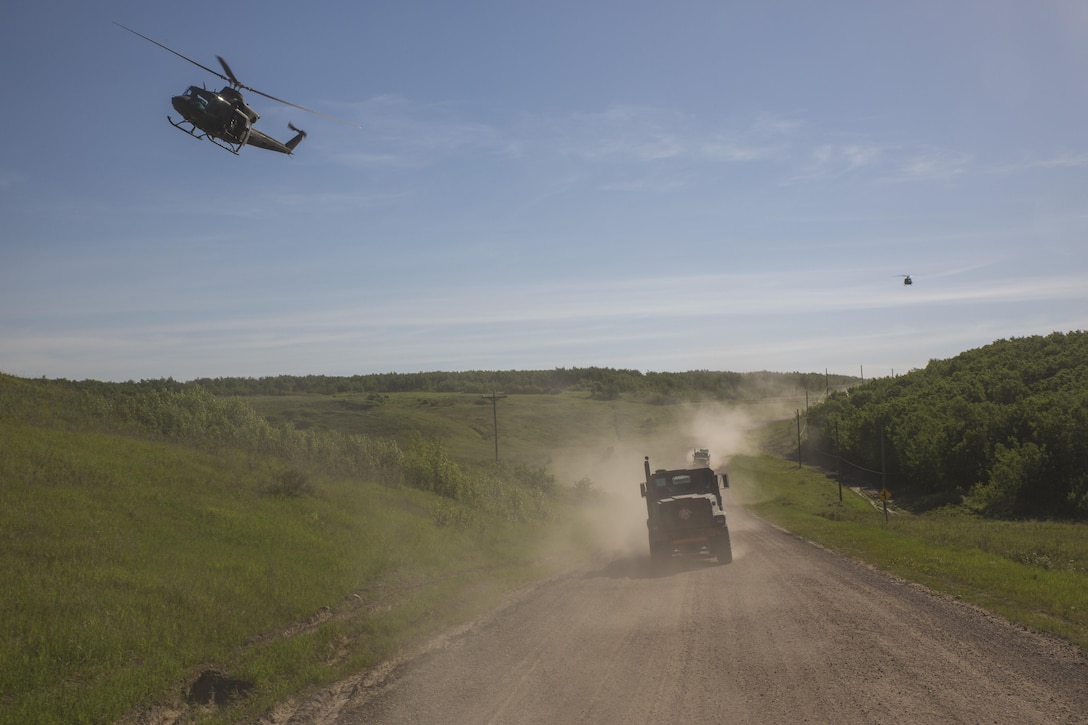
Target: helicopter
[223, 117]
[906, 279]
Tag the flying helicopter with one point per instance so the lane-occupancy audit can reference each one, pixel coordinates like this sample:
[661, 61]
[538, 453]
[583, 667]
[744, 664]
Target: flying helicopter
[907, 279]
[223, 117]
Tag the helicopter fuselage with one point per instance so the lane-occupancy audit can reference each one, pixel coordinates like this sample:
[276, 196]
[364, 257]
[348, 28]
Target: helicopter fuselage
[225, 119]
[221, 115]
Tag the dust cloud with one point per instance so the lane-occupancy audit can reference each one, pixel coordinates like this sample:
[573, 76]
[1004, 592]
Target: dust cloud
[613, 463]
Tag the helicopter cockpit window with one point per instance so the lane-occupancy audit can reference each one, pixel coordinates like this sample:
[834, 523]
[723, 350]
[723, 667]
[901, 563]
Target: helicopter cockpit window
[198, 96]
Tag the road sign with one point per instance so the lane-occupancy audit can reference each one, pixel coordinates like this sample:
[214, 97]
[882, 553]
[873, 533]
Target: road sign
[885, 494]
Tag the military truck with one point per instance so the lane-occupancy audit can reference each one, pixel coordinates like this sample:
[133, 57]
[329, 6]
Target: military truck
[684, 513]
[701, 457]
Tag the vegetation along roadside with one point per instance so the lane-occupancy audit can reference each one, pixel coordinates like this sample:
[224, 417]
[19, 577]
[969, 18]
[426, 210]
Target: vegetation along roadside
[166, 546]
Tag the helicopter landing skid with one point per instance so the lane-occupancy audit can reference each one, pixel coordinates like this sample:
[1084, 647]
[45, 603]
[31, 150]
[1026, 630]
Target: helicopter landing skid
[192, 131]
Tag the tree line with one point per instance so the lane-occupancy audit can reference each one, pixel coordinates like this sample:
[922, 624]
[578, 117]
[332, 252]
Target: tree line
[598, 382]
[1001, 430]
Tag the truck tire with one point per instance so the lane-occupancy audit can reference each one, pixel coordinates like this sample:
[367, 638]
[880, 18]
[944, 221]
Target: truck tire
[725, 551]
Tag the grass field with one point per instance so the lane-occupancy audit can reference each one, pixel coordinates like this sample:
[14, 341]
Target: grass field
[1033, 572]
[133, 566]
[533, 429]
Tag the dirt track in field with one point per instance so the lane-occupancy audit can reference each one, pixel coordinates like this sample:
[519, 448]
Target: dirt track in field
[786, 633]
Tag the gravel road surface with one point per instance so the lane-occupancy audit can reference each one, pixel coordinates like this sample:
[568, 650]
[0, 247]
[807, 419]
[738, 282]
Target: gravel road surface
[787, 633]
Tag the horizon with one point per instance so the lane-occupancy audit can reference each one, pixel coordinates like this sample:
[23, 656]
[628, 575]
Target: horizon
[861, 374]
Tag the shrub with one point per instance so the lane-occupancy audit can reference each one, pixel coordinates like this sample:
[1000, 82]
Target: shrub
[291, 483]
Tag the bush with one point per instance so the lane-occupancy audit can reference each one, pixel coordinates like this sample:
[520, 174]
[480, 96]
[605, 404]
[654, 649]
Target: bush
[291, 483]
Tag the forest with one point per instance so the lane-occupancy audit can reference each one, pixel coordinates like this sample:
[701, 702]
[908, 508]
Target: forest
[1000, 430]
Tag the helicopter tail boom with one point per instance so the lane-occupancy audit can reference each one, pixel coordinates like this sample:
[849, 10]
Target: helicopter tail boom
[264, 141]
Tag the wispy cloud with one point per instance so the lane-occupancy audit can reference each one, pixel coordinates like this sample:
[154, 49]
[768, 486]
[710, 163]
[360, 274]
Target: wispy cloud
[856, 313]
[649, 184]
[929, 165]
[567, 301]
[1060, 161]
[644, 134]
[735, 150]
[829, 161]
[406, 134]
[627, 132]
[326, 201]
[770, 124]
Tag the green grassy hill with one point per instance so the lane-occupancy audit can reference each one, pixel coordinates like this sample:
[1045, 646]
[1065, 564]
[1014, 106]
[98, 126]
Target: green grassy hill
[152, 534]
[157, 537]
[132, 566]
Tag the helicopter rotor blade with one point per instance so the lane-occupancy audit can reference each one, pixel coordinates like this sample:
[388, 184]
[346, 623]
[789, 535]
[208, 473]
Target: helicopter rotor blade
[171, 50]
[238, 84]
[295, 105]
[230, 74]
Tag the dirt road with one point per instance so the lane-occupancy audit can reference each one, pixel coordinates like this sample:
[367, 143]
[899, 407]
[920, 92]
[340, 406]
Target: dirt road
[786, 633]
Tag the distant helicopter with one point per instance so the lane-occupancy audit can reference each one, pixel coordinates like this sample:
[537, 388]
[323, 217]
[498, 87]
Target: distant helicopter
[907, 279]
[224, 118]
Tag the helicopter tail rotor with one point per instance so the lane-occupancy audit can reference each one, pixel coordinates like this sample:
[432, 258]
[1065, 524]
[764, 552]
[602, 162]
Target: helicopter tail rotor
[299, 135]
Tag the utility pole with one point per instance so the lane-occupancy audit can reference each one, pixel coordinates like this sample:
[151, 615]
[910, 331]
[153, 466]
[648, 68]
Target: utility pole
[799, 464]
[885, 494]
[838, 461]
[883, 463]
[494, 398]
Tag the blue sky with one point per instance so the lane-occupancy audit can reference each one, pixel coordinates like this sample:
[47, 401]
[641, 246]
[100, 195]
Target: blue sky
[662, 186]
